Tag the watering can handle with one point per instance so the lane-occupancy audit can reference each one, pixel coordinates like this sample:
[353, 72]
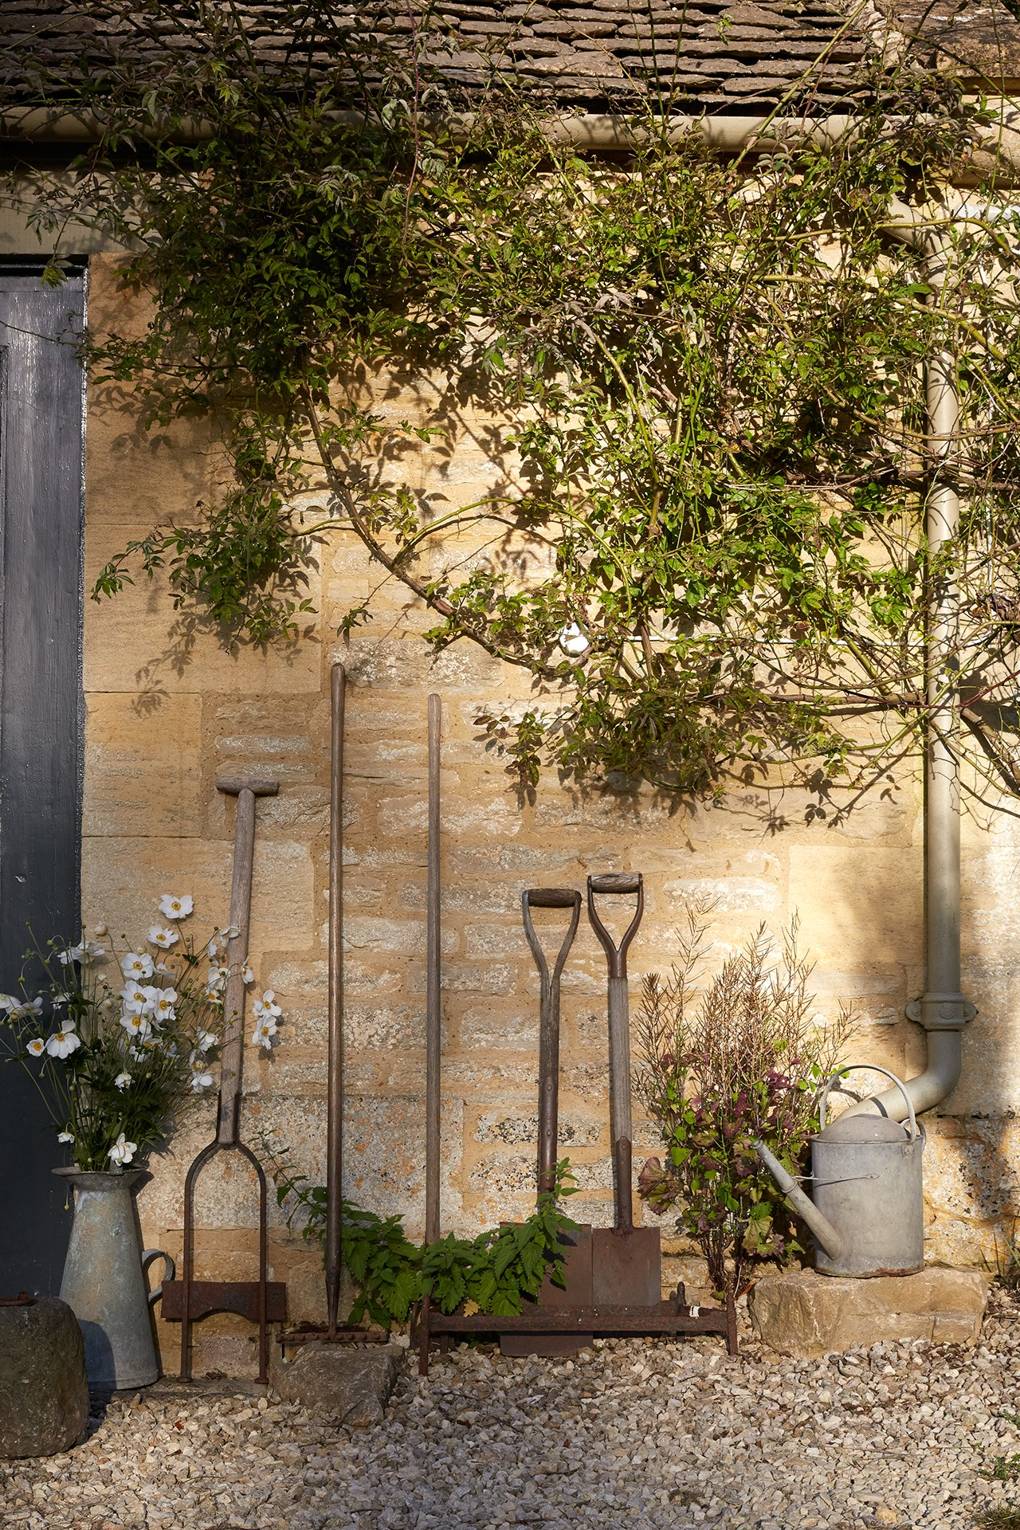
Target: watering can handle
[870, 1068]
[169, 1270]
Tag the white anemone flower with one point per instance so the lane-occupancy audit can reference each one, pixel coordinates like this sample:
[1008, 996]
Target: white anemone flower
[8, 1002]
[36, 1046]
[265, 1030]
[122, 1151]
[248, 975]
[87, 951]
[176, 905]
[267, 1005]
[205, 1041]
[26, 1010]
[65, 1136]
[122, 1081]
[200, 1081]
[164, 1003]
[163, 936]
[63, 1042]
[216, 981]
[135, 999]
[136, 965]
[137, 1025]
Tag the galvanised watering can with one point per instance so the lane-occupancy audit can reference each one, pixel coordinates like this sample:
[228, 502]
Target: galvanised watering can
[866, 1210]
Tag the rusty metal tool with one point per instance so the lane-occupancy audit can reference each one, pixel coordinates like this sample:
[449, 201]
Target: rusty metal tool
[577, 1245]
[433, 1013]
[626, 1260]
[433, 976]
[670, 1318]
[261, 1301]
[334, 1065]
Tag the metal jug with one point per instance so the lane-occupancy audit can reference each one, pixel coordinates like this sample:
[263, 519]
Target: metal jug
[104, 1281]
[867, 1210]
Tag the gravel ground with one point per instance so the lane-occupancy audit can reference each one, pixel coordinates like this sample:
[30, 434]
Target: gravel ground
[631, 1433]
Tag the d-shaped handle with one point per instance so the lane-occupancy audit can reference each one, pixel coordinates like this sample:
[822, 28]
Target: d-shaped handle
[550, 897]
[614, 883]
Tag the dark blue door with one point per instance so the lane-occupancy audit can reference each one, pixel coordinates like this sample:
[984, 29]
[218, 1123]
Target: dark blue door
[41, 395]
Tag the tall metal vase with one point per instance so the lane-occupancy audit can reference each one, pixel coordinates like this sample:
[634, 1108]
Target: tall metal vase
[104, 1281]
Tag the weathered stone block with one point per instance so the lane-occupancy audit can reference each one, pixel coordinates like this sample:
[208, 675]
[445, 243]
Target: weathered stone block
[44, 1397]
[122, 740]
[124, 878]
[350, 1384]
[134, 643]
[802, 1313]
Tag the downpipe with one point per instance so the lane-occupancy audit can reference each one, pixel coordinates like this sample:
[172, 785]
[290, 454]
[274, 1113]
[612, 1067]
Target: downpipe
[942, 1009]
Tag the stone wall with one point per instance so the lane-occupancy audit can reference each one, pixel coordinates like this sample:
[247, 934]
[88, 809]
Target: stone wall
[168, 709]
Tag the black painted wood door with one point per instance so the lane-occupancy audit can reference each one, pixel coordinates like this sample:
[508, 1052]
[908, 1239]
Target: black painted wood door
[41, 709]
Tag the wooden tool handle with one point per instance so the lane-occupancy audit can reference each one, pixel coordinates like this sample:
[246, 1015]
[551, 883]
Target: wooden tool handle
[552, 897]
[237, 954]
[433, 979]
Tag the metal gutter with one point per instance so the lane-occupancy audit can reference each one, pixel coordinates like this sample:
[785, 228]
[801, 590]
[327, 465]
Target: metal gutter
[593, 132]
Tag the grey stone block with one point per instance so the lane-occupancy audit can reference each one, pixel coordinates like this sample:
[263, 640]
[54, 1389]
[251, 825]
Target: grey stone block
[44, 1396]
[351, 1383]
[803, 1313]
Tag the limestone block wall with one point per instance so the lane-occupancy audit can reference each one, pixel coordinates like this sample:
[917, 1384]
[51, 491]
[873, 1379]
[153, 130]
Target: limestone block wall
[168, 710]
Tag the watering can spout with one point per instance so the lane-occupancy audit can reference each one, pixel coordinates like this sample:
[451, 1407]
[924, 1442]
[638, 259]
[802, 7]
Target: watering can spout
[822, 1228]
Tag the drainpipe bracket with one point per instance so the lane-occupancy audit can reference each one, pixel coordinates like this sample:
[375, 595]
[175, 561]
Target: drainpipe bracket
[941, 1011]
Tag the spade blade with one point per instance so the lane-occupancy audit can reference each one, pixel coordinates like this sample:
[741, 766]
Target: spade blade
[626, 1267]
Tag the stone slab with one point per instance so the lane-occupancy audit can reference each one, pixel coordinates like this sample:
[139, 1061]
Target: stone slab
[803, 1313]
[351, 1383]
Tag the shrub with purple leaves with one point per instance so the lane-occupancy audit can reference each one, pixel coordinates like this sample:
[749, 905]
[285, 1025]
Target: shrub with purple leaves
[728, 1059]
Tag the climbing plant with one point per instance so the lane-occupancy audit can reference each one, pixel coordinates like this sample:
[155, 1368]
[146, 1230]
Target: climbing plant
[698, 382]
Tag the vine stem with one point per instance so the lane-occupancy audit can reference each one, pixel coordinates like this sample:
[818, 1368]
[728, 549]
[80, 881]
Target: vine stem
[393, 563]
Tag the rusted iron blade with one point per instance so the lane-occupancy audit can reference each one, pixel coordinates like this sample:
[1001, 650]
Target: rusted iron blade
[663, 1318]
[345, 1333]
[626, 1266]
